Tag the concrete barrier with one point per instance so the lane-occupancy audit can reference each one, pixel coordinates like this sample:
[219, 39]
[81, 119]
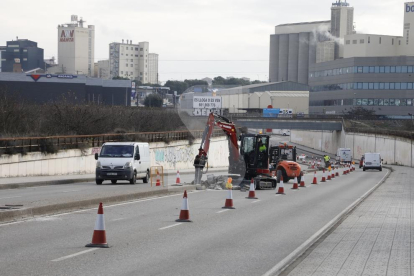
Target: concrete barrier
[177, 155]
[393, 150]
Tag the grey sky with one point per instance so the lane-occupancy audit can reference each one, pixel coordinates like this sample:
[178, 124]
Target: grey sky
[226, 31]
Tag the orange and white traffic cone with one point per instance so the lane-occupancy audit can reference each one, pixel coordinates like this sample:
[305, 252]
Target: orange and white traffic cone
[333, 173]
[99, 235]
[295, 184]
[252, 193]
[329, 175]
[281, 189]
[323, 176]
[337, 172]
[302, 182]
[229, 200]
[158, 183]
[185, 211]
[178, 180]
[344, 171]
[315, 181]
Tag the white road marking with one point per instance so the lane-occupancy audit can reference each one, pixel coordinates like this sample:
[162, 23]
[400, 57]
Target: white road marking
[225, 210]
[166, 227]
[70, 191]
[10, 197]
[118, 219]
[308, 243]
[109, 206]
[277, 195]
[74, 255]
[255, 201]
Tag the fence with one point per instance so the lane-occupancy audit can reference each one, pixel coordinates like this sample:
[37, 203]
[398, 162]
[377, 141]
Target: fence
[54, 143]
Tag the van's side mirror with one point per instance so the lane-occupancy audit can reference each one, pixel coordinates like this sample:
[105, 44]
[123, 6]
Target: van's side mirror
[96, 156]
[137, 156]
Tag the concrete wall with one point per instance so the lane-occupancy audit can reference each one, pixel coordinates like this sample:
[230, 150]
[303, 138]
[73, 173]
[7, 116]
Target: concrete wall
[177, 155]
[394, 150]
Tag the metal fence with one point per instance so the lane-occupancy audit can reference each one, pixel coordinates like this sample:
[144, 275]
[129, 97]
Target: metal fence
[53, 144]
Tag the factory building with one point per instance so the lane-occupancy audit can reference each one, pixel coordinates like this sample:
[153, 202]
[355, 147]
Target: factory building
[76, 47]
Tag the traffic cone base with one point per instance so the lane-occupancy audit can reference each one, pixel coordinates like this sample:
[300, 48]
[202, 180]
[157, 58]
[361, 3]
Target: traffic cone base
[295, 184]
[315, 181]
[229, 201]
[99, 235]
[178, 180]
[252, 193]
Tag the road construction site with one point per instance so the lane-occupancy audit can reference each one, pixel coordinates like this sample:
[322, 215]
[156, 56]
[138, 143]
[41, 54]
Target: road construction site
[260, 236]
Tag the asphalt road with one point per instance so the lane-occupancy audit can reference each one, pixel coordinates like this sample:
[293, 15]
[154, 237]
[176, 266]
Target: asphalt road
[146, 240]
[53, 194]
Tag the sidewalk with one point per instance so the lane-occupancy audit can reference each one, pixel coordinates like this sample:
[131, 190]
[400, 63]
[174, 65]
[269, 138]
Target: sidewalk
[30, 181]
[376, 238]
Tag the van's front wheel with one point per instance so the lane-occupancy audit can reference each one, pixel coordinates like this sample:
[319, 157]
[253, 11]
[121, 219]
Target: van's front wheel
[146, 178]
[133, 180]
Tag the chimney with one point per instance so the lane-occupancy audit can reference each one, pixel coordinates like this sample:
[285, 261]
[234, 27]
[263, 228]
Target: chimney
[130, 42]
[127, 41]
[122, 41]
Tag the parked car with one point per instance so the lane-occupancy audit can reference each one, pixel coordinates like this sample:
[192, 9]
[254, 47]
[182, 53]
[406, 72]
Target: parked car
[361, 162]
[123, 161]
[372, 161]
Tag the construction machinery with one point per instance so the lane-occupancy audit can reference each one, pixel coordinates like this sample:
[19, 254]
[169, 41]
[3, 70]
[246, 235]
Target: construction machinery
[282, 161]
[249, 160]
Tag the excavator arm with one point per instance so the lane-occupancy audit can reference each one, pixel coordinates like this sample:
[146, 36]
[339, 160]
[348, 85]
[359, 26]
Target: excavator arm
[229, 128]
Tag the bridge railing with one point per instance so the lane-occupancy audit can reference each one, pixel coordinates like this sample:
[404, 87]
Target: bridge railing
[284, 116]
[52, 144]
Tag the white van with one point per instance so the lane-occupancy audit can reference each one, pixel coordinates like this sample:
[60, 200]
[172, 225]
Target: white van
[372, 161]
[344, 155]
[123, 161]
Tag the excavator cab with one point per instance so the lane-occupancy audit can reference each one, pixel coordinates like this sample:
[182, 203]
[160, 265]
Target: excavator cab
[255, 150]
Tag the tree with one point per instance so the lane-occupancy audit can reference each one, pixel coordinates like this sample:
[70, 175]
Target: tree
[360, 112]
[195, 82]
[153, 100]
[231, 81]
[178, 86]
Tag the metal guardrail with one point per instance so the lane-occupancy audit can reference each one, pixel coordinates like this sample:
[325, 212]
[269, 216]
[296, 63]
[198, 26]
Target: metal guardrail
[52, 144]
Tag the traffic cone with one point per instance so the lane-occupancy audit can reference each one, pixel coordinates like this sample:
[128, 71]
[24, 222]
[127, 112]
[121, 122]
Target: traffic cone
[185, 211]
[315, 181]
[329, 175]
[281, 189]
[158, 183]
[252, 193]
[178, 180]
[229, 200]
[337, 172]
[99, 235]
[295, 184]
[302, 182]
[323, 176]
[344, 171]
[333, 173]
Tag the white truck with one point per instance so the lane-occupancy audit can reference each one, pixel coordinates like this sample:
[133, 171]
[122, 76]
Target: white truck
[344, 155]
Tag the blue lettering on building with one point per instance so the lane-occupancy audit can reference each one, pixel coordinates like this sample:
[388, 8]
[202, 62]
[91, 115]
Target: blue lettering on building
[409, 8]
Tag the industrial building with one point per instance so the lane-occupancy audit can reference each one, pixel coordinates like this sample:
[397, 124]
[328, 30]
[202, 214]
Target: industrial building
[347, 69]
[44, 88]
[133, 61]
[255, 97]
[21, 55]
[76, 47]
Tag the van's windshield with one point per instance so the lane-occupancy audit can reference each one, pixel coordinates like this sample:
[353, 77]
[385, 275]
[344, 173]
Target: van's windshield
[119, 151]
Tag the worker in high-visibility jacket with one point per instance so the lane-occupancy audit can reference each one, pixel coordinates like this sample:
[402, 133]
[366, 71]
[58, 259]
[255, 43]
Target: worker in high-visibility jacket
[326, 158]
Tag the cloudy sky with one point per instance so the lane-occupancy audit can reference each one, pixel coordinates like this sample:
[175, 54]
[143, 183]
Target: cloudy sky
[195, 39]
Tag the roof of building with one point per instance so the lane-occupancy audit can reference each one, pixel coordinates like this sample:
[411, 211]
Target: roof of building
[303, 23]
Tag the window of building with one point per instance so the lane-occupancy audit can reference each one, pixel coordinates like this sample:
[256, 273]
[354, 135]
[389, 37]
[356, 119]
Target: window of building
[369, 39]
[348, 42]
[361, 41]
[398, 69]
[380, 101]
[122, 72]
[403, 102]
[382, 86]
[24, 59]
[410, 85]
[359, 85]
[360, 69]
[364, 101]
[392, 102]
[371, 85]
[404, 69]
[132, 65]
[399, 42]
[140, 73]
[141, 49]
[376, 102]
[127, 48]
[404, 85]
[136, 55]
[386, 102]
[380, 40]
[24, 50]
[370, 101]
[372, 69]
[365, 86]
[398, 85]
[377, 69]
[365, 69]
[387, 69]
[392, 69]
[126, 65]
[16, 50]
[392, 85]
[359, 102]
[141, 56]
[382, 69]
[136, 48]
[354, 41]
[132, 60]
[409, 102]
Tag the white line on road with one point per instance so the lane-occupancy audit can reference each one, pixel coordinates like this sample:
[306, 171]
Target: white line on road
[118, 219]
[70, 191]
[74, 255]
[289, 259]
[10, 197]
[255, 201]
[166, 227]
[225, 210]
